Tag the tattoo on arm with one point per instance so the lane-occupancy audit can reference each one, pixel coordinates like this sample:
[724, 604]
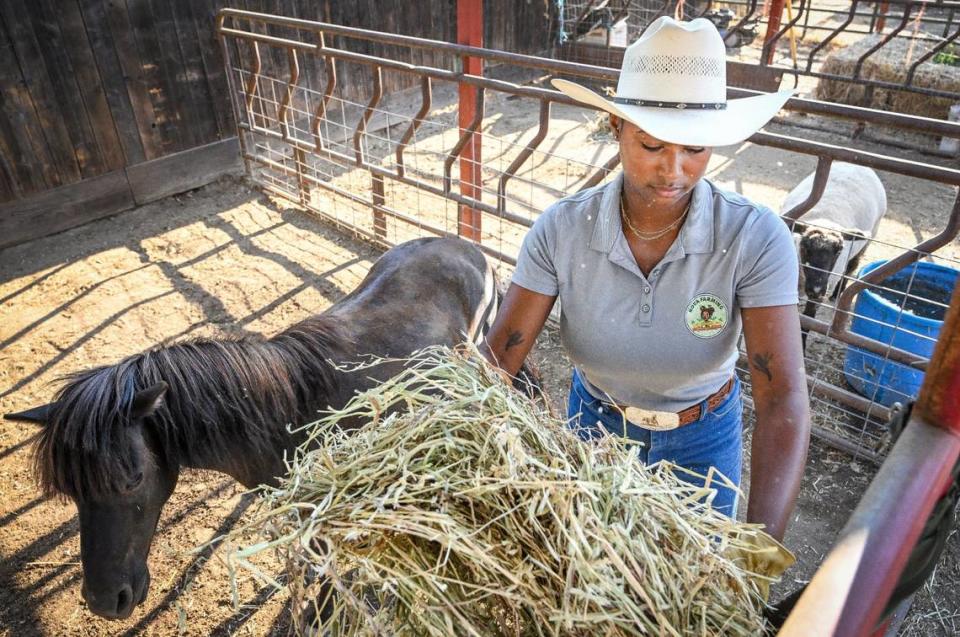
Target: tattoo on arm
[761, 362]
[514, 339]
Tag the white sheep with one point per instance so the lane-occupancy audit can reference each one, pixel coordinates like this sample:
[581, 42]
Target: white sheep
[834, 233]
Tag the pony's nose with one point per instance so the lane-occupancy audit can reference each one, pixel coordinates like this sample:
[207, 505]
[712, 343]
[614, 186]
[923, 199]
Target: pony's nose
[118, 605]
[125, 601]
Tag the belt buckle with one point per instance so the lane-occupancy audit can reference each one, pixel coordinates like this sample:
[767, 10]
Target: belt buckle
[652, 420]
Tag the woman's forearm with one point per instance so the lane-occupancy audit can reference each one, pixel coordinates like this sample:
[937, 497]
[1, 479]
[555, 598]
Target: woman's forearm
[778, 456]
[521, 317]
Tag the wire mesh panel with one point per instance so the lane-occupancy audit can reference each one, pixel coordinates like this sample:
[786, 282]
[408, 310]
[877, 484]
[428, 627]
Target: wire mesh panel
[388, 165]
[902, 55]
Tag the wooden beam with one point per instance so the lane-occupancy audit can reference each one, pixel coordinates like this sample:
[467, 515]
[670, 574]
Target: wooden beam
[63, 208]
[75, 204]
[179, 172]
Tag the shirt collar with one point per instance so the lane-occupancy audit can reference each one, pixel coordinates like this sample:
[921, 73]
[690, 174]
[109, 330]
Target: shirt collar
[696, 234]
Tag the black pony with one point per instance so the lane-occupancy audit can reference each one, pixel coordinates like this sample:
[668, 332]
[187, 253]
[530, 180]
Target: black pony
[117, 436]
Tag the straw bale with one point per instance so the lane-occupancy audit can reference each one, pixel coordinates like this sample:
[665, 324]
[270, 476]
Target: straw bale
[890, 64]
[462, 508]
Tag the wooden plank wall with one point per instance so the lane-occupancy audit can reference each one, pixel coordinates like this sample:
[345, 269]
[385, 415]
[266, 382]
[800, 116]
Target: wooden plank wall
[89, 88]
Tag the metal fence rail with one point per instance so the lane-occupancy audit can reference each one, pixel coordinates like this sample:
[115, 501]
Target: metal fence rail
[383, 168]
[848, 593]
[797, 45]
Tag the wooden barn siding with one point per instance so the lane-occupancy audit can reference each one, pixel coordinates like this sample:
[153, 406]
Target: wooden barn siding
[90, 89]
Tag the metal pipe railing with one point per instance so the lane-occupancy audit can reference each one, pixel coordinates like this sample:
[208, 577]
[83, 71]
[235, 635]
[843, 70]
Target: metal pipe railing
[909, 12]
[245, 100]
[850, 590]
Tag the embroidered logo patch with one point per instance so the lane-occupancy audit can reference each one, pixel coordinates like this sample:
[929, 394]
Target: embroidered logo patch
[706, 315]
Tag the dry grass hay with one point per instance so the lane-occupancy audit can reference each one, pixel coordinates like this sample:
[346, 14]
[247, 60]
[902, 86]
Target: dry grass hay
[889, 64]
[462, 508]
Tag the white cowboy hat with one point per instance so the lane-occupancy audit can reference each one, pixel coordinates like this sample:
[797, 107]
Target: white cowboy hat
[673, 85]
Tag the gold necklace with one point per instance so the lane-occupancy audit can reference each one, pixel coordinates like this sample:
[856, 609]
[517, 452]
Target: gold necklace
[650, 236]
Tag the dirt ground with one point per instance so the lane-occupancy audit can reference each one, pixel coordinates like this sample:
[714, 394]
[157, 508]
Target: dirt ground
[226, 260]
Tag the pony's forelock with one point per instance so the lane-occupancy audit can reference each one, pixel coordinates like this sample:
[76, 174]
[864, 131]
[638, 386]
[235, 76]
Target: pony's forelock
[83, 450]
[219, 390]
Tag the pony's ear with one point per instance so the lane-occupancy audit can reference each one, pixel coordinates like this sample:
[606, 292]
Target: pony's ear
[146, 401]
[39, 415]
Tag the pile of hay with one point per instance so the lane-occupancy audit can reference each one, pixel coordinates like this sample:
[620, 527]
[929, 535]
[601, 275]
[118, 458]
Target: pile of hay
[890, 64]
[464, 509]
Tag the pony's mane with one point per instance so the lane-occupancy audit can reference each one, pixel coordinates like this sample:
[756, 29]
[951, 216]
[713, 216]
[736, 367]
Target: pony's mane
[220, 390]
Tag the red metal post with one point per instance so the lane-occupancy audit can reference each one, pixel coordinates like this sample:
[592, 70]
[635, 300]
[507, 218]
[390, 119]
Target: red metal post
[939, 399]
[849, 592]
[773, 25]
[882, 20]
[470, 32]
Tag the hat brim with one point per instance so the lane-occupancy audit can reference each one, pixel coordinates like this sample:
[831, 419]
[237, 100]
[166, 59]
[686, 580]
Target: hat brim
[690, 127]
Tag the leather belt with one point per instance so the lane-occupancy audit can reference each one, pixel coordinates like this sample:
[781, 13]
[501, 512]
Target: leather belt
[667, 420]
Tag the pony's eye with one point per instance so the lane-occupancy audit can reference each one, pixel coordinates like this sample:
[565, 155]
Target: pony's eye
[135, 481]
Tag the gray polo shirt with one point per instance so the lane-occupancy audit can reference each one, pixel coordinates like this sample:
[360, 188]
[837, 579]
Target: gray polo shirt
[666, 341]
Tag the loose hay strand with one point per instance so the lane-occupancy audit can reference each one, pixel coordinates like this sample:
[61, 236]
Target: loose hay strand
[461, 507]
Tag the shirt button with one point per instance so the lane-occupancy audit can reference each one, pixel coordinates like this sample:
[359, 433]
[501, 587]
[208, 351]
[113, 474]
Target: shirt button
[646, 290]
[645, 308]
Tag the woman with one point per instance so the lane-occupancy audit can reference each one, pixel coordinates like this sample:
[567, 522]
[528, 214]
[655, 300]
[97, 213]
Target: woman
[659, 273]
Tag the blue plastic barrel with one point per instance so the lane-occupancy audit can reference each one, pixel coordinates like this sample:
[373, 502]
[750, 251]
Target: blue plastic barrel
[880, 315]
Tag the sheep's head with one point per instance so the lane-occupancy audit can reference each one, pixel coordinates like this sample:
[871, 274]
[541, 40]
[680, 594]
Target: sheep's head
[819, 249]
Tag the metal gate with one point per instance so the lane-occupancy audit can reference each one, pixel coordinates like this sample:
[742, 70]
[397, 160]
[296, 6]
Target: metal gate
[396, 166]
[922, 33]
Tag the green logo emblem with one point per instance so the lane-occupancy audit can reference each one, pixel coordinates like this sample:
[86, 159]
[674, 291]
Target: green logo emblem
[706, 315]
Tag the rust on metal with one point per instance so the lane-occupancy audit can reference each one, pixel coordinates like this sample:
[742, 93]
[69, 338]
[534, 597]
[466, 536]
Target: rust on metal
[361, 128]
[816, 191]
[881, 43]
[250, 89]
[321, 114]
[426, 101]
[833, 34]
[370, 236]
[466, 134]
[929, 54]
[288, 93]
[523, 155]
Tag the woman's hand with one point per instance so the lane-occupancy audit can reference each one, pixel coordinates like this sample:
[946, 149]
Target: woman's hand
[521, 316]
[782, 406]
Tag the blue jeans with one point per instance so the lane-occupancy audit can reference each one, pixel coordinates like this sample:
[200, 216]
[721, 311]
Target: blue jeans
[716, 440]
